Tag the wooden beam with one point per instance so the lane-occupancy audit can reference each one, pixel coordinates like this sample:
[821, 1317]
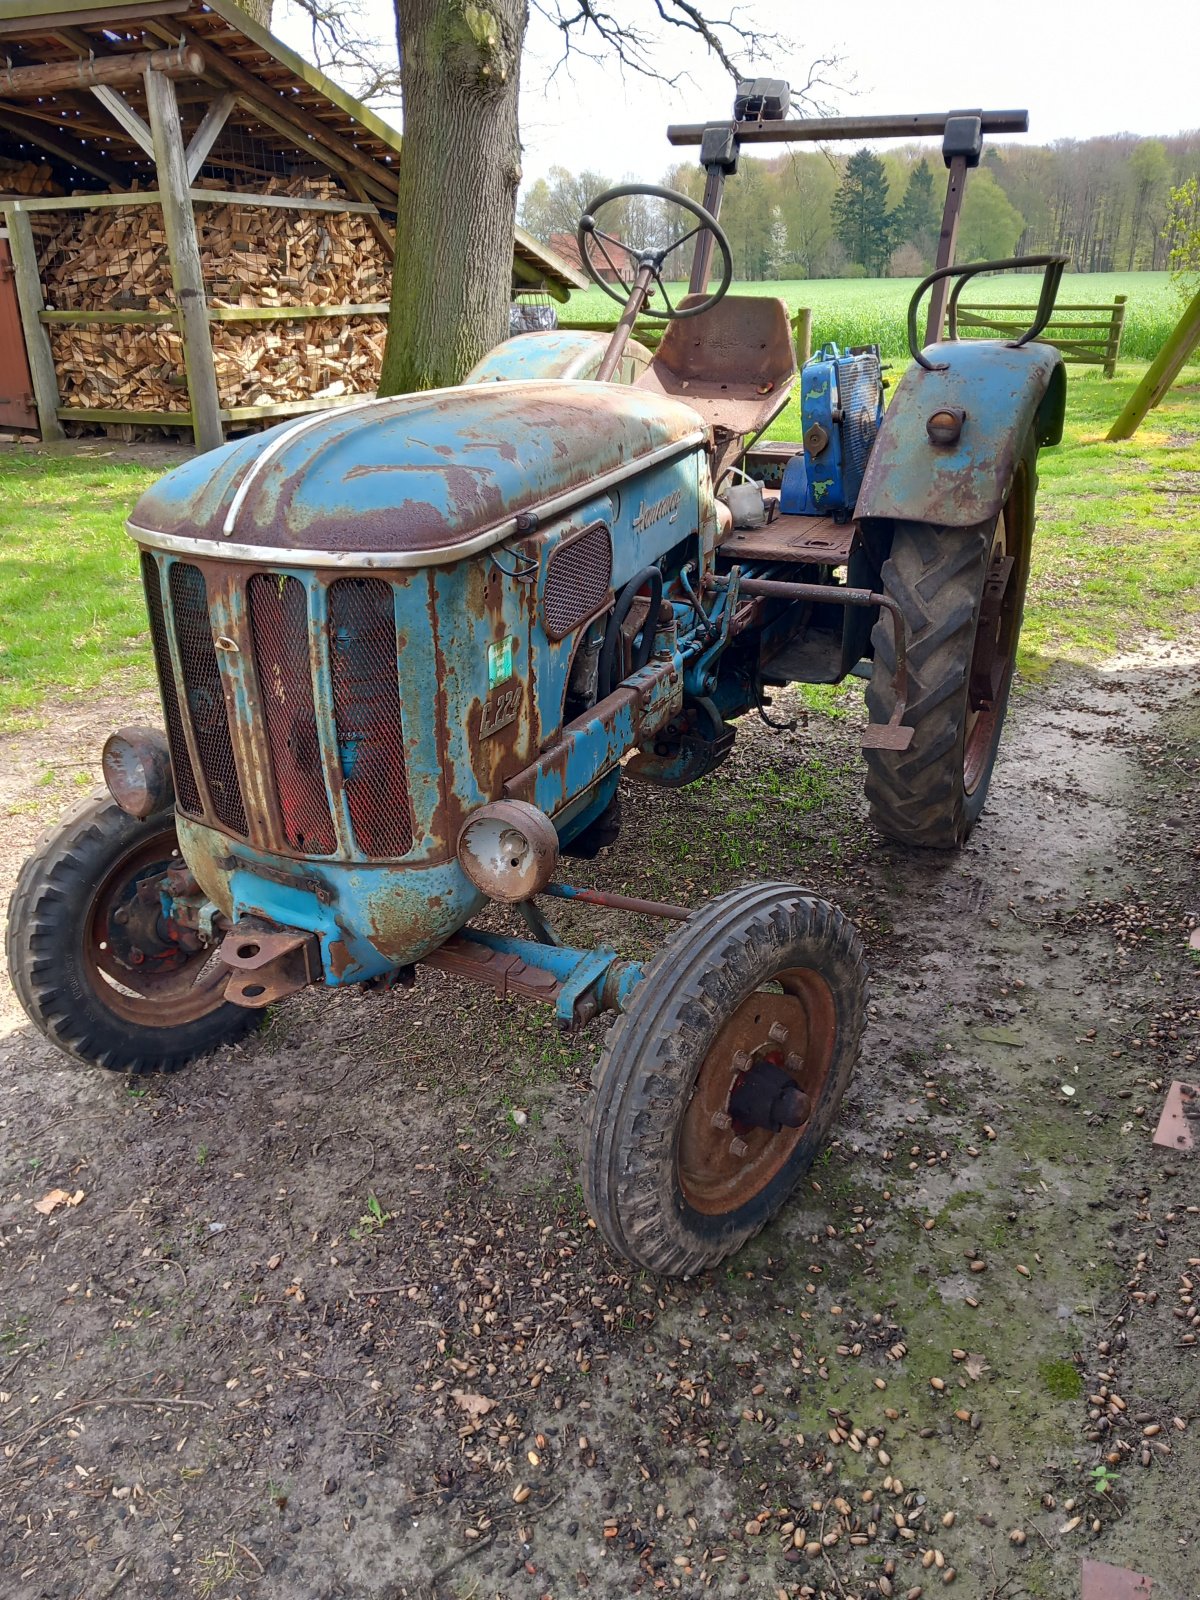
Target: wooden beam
[283, 202]
[39, 16]
[1164, 369]
[91, 202]
[179, 225]
[374, 221]
[306, 130]
[30, 304]
[115, 103]
[117, 71]
[207, 134]
[69, 150]
[117, 318]
[374, 308]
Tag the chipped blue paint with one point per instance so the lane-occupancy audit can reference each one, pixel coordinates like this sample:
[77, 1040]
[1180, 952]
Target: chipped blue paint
[1004, 392]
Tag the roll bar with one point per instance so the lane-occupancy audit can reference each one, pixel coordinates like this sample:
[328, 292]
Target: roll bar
[919, 125]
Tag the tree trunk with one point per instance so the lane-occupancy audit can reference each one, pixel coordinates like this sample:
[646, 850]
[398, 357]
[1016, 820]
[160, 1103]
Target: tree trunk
[458, 174]
[260, 10]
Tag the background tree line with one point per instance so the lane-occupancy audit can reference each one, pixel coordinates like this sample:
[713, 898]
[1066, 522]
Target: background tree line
[1106, 203]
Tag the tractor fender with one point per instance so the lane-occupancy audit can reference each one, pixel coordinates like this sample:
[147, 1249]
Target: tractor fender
[1002, 392]
[556, 353]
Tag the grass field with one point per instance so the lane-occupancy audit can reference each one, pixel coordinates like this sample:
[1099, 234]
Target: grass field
[872, 310]
[1116, 555]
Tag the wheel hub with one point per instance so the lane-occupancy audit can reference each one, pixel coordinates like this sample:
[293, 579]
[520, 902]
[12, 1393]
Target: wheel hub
[755, 1093]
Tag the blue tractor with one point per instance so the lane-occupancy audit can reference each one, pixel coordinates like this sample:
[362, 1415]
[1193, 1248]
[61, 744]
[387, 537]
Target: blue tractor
[408, 651]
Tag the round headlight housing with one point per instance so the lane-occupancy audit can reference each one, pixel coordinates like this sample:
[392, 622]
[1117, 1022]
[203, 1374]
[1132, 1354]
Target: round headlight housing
[509, 850]
[136, 763]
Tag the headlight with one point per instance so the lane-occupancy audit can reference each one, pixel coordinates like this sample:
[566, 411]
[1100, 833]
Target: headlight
[137, 769]
[509, 849]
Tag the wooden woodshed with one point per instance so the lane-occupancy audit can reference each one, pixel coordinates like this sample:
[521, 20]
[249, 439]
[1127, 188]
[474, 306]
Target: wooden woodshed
[196, 225]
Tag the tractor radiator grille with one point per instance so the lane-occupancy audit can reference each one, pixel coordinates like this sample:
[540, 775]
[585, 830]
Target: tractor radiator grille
[278, 609]
[366, 703]
[204, 695]
[318, 671]
[578, 577]
[187, 794]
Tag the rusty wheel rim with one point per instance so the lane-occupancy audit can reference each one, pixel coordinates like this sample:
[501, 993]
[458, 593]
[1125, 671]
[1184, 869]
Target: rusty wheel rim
[166, 994]
[717, 1177]
[995, 650]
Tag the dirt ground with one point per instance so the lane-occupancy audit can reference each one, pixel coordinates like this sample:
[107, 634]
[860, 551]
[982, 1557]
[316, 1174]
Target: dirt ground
[330, 1320]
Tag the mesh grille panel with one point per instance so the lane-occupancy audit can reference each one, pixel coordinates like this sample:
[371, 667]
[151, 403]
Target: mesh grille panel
[578, 576]
[205, 699]
[279, 627]
[366, 703]
[186, 792]
[858, 389]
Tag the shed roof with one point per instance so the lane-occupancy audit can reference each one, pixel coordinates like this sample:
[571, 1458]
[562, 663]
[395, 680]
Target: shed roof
[288, 119]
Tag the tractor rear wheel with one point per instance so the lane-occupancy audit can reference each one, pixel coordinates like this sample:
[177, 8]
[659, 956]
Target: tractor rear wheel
[93, 962]
[962, 592]
[718, 1086]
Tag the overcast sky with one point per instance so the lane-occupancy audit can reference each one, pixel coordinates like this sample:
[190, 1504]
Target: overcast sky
[1079, 68]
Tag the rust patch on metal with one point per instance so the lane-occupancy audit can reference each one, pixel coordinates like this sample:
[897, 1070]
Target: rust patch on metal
[506, 974]
[267, 966]
[1180, 1120]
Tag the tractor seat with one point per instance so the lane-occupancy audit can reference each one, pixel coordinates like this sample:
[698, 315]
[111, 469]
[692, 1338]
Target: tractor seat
[735, 364]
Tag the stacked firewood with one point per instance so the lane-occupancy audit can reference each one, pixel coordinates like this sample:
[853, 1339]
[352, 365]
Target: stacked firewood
[27, 178]
[269, 257]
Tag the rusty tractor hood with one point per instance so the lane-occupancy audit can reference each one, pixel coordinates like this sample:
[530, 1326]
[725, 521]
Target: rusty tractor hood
[413, 480]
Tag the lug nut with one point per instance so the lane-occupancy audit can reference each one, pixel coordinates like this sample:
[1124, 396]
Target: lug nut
[777, 1033]
[794, 1062]
[722, 1119]
[742, 1062]
[738, 1147]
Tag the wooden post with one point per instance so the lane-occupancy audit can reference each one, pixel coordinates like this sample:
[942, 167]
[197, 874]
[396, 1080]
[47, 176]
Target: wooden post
[1114, 337]
[179, 225]
[947, 239]
[802, 328]
[1164, 369]
[31, 305]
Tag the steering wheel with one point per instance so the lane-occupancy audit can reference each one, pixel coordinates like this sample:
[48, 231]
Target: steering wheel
[635, 260]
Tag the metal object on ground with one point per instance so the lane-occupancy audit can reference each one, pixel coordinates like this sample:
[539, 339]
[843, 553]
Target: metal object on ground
[509, 850]
[1100, 1581]
[1179, 1122]
[136, 763]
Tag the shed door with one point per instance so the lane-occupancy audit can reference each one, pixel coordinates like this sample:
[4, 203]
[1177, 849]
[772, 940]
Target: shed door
[16, 389]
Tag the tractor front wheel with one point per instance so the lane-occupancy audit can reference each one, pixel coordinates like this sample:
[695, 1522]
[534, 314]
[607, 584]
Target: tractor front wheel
[962, 592]
[717, 1088]
[95, 964]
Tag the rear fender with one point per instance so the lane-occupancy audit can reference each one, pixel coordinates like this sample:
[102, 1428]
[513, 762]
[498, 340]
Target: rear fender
[1003, 393]
[557, 353]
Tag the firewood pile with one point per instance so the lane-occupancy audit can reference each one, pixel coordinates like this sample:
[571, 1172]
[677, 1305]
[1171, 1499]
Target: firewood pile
[269, 257]
[27, 178]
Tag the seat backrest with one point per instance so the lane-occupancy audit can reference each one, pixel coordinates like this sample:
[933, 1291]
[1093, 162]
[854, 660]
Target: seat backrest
[734, 364]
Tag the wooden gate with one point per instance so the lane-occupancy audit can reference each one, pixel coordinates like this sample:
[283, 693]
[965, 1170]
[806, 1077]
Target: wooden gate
[16, 386]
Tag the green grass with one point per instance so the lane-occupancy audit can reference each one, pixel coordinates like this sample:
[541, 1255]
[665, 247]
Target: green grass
[872, 310]
[72, 618]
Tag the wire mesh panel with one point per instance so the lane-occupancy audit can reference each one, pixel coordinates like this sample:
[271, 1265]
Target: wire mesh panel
[279, 627]
[578, 576]
[204, 694]
[187, 793]
[370, 728]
